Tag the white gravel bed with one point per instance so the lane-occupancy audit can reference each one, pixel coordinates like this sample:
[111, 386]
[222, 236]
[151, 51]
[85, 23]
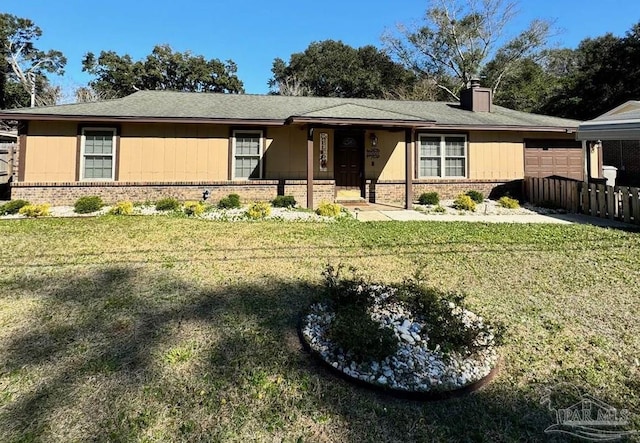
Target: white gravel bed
[414, 367]
[285, 214]
[488, 207]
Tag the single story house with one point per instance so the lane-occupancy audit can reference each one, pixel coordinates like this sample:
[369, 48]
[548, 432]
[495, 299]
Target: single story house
[619, 133]
[154, 144]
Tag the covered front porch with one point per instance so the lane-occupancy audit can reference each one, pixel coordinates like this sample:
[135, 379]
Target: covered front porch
[357, 157]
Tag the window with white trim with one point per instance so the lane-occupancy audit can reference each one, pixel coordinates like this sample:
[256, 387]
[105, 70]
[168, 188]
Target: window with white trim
[442, 156]
[247, 154]
[98, 154]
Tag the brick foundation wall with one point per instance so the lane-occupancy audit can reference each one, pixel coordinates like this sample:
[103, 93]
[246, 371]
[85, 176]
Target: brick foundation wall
[392, 192]
[112, 192]
[323, 190]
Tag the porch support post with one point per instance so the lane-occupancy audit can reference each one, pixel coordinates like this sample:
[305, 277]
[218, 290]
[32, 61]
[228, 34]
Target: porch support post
[409, 142]
[585, 161]
[310, 167]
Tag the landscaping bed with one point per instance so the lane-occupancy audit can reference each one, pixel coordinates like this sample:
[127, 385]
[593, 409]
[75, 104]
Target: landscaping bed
[409, 339]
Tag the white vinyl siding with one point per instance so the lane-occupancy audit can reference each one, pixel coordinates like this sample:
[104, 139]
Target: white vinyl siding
[98, 154]
[247, 154]
[442, 156]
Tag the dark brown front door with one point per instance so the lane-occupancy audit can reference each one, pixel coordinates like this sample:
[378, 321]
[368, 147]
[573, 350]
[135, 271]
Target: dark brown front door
[348, 159]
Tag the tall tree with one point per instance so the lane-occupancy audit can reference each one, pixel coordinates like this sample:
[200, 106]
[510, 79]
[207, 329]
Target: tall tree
[163, 69]
[604, 75]
[24, 65]
[457, 38]
[532, 82]
[333, 69]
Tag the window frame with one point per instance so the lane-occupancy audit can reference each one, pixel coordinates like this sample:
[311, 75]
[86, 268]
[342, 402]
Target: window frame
[260, 155]
[442, 173]
[83, 154]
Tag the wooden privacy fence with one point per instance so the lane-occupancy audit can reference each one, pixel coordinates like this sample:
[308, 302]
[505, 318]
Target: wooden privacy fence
[598, 200]
[6, 161]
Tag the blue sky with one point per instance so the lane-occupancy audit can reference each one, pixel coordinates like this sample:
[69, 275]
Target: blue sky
[253, 32]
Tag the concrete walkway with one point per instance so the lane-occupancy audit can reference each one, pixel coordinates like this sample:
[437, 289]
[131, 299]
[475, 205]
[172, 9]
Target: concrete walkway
[410, 215]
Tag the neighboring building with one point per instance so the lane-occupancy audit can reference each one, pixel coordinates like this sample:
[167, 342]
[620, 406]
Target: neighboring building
[619, 132]
[153, 144]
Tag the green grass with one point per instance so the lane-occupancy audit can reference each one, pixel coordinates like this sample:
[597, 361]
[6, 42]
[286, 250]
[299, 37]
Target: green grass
[177, 329]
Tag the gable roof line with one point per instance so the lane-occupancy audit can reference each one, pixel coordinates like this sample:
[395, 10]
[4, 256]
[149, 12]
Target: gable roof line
[417, 117]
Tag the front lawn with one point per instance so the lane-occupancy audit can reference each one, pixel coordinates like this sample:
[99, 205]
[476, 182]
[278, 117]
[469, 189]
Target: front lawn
[178, 329]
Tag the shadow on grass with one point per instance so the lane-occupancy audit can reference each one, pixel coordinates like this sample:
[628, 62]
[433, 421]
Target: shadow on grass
[123, 354]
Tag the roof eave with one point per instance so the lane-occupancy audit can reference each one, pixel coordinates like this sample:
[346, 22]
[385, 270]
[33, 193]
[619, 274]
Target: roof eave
[135, 119]
[518, 128]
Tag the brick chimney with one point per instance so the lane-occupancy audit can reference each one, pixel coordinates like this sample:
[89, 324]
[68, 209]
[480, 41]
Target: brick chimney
[475, 98]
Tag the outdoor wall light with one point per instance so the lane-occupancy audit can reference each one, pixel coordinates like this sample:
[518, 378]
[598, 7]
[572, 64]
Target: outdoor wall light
[374, 139]
[205, 194]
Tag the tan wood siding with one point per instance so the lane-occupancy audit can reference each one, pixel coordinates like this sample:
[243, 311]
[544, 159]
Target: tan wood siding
[173, 152]
[495, 155]
[391, 163]
[286, 153]
[51, 153]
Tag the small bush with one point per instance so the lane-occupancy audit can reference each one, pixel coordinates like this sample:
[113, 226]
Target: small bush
[439, 209]
[41, 210]
[194, 208]
[168, 204]
[476, 196]
[429, 198]
[284, 201]
[443, 313]
[12, 207]
[355, 331]
[327, 209]
[231, 201]
[122, 208]
[464, 203]
[259, 210]
[88, 204]
[508, 202]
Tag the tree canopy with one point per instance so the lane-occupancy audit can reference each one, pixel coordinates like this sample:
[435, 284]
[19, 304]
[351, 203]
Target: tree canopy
[603, 75]
[163, 69]
[22, 63]
[457, 39]
[333, 69]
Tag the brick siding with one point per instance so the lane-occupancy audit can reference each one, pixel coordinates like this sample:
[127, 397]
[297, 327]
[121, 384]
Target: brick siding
[112, 192]
[393, 192]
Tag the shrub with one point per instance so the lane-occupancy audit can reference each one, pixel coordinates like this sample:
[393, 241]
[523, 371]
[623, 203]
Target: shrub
[476, 196]
[193, 208]
[464, 203]
[41, 210]
[355, 331]
[229, 202]
[258, 210]
[508, 202]
[122, 208]
[12, 207]
[429, 198]
[439, 209]
[168, 204]
[327, 209]
[88, 204]
[284, 201]
[444, 314]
